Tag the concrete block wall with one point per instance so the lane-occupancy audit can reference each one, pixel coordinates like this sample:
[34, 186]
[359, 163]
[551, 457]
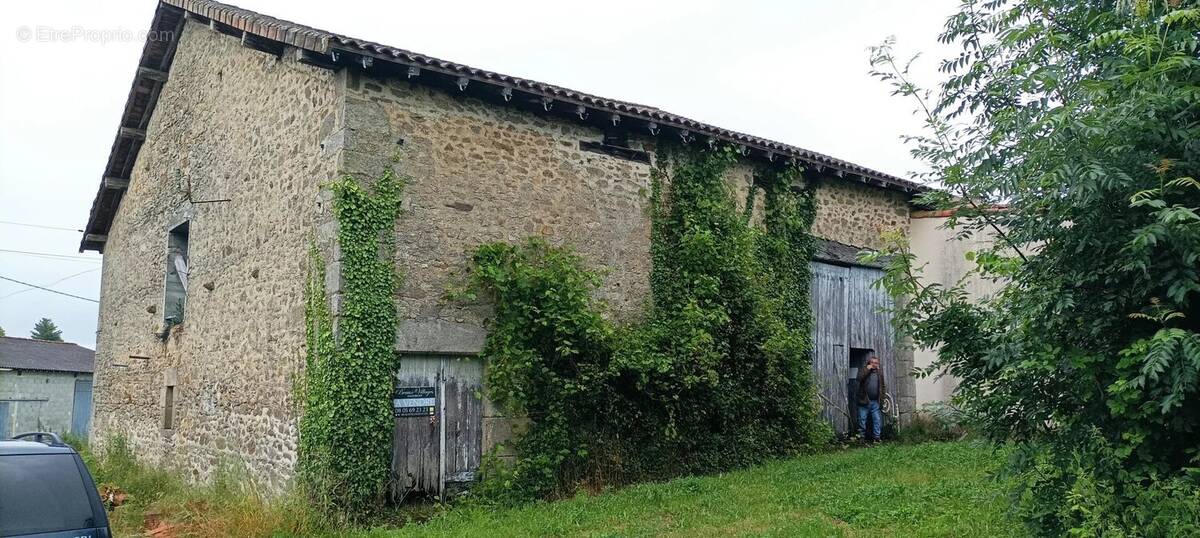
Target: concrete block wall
[39, 400]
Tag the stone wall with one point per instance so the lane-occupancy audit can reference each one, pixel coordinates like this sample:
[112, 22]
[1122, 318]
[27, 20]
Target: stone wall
[241, 125]
[39, 400]
[854, 213]
[480, 173]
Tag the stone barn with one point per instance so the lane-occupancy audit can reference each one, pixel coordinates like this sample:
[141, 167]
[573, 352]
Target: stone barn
[212, 199]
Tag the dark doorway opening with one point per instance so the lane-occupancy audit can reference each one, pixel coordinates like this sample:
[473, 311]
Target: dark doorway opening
[858, 359]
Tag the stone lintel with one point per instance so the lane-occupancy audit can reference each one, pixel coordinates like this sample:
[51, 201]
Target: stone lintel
[439, 336]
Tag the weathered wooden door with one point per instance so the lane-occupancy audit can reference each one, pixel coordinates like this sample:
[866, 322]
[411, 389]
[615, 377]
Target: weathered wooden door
[851, 318]
[831, 354]
[438, 408]
[464, 418]
[871, 321]
[416, 444]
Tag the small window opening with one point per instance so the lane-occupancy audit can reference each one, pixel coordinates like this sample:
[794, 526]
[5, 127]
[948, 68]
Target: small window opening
[175, 297]
[616, 144]
[616, 139]
[168, 419]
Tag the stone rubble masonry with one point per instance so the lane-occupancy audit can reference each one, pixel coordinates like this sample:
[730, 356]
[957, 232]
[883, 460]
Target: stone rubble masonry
[267, 133]
[855, 214]
[242, 125]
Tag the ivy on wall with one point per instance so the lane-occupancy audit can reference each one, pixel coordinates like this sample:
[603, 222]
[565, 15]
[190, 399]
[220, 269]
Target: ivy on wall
[345, 430]
[716, 375]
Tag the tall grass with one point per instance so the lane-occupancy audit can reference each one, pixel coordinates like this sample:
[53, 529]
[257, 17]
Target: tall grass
[159, 501]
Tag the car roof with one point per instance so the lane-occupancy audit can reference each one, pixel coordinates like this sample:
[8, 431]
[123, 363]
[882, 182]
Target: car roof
[14, 448]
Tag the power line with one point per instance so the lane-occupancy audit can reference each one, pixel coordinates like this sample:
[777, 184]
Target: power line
[49, 255]
[43, 226]
[46, 289]
[65, 278]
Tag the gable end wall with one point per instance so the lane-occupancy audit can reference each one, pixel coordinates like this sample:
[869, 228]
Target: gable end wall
[243, 125]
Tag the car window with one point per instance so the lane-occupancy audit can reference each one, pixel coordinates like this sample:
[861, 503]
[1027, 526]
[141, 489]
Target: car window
[42, 493]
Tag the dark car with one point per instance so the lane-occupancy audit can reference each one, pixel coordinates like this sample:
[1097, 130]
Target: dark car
[46, 491]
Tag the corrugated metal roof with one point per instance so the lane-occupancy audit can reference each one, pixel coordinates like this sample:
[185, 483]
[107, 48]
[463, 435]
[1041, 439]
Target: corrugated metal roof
[157, 56]
[30, 354]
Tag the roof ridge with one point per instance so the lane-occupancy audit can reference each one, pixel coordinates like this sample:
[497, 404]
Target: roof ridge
[40, 340]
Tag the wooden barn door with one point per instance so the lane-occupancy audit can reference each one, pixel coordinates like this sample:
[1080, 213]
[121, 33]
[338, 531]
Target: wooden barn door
[831, 351]
[416, 443]
[464, 419]
[438, 408]
[871, 322]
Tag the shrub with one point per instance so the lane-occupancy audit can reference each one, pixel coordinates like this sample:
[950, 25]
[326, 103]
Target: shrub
[715, 376]
[936, 421]
[1066, 131]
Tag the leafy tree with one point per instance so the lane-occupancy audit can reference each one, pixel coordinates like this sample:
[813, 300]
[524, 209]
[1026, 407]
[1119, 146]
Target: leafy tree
[2, 332]
[1081, 119]
[46, 330]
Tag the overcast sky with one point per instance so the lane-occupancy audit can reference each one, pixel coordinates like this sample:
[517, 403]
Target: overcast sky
[793, 71]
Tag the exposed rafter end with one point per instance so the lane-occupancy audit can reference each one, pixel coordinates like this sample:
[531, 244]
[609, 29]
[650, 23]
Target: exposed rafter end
[309, 57]
[130, 132]
[152, 74]
[95, 238]
[115, 183]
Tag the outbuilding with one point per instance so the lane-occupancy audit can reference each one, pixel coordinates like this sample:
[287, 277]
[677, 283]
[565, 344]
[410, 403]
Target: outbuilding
[44, 386]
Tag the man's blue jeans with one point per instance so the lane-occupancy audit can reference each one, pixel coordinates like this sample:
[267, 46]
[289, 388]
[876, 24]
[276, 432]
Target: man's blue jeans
[876, 419]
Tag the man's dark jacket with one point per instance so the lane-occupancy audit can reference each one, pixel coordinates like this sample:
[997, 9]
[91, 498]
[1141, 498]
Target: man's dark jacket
[862, 385]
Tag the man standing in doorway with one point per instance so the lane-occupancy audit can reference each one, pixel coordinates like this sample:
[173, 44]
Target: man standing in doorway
[871, 388]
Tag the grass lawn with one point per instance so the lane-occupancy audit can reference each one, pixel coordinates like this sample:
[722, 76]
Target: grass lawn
[932, 489]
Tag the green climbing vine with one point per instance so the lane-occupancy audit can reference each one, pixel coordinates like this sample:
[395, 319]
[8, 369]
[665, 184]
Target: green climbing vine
[345, 430]
[715, 375]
